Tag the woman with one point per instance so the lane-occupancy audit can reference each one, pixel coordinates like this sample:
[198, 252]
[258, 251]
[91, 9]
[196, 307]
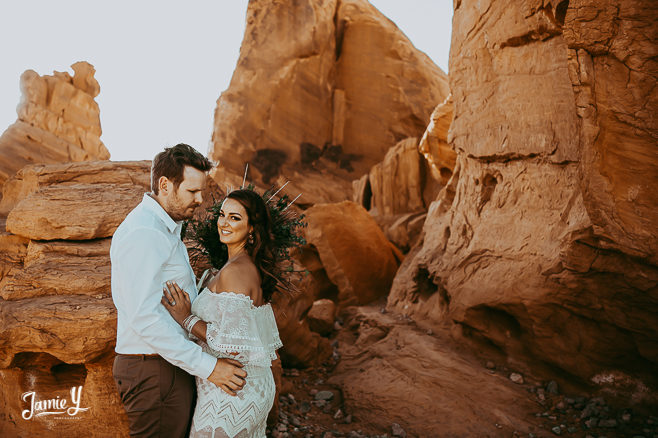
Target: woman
[231, 319]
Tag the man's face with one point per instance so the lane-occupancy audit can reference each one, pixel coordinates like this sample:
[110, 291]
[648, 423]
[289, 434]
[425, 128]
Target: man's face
[182, 201]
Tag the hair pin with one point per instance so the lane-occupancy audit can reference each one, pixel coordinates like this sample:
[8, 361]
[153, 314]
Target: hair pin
[278, 191]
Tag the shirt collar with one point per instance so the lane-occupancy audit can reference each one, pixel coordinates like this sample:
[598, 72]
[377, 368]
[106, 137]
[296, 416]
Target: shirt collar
[153, 206]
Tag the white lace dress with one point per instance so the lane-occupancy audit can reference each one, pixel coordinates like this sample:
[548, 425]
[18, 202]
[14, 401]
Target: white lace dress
[238, 330]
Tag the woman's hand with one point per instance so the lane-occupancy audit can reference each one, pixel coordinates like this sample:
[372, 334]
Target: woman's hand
[176, 301]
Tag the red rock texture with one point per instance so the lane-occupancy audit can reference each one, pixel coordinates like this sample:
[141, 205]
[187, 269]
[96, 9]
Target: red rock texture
[354, 253]
[307, 98]
[391, 372]
[58, 121]
[544, 240]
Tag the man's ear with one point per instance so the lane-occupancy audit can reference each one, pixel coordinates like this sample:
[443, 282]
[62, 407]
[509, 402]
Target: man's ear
[164, 185]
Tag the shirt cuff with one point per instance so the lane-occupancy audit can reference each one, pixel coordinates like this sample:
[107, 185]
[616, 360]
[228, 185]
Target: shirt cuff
[206, 366]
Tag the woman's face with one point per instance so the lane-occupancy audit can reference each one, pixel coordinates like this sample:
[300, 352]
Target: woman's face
[232, 223]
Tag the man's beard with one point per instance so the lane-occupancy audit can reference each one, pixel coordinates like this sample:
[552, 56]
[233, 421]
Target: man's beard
[179, 212]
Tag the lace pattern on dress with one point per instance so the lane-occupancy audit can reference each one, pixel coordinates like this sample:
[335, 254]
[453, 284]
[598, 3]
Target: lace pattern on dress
[240, 330]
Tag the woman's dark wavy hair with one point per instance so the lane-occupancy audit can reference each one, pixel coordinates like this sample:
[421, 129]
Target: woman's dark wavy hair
[261, 246]
[277, 230]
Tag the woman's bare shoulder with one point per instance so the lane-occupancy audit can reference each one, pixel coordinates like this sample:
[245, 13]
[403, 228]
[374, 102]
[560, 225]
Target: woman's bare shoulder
[239, 277]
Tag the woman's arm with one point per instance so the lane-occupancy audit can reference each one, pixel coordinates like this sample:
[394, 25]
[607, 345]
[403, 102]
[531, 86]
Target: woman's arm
[178, 304]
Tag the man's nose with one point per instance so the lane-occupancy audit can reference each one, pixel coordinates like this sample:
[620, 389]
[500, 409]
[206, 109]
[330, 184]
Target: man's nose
[198, 198]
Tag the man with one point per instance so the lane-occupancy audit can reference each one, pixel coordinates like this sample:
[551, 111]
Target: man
[154, 355]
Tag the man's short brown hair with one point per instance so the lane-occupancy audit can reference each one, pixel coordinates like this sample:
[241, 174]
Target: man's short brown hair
[172, 161]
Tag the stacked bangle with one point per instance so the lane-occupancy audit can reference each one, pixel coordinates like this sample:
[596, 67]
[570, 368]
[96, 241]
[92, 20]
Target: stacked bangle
[189, 322]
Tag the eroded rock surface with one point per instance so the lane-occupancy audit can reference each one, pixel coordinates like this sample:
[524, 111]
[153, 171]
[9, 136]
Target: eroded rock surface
[353, 251]
[391, 372]
[58, 121]
[321, 91]
[544, 240]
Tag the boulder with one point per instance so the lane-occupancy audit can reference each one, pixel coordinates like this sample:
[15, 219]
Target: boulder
[301, 347]
[544, 239]
[434, 144]
[73, 328]
[58, 121]
[353, 250]
[321, 316]
[60, 268]
[74, 211]
[50, 378]
[32, 178]
[391, 372]
[329, 90]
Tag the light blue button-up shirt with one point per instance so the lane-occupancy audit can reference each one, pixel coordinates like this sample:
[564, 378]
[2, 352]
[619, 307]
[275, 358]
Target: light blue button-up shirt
[146, 251]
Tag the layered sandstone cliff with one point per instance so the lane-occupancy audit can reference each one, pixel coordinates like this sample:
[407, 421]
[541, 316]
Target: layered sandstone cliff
[58, 121]
[544, 240]
[57, 318]
[321, 91]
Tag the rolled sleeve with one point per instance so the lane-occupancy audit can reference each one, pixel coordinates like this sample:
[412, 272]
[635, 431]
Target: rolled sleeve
[137, 262]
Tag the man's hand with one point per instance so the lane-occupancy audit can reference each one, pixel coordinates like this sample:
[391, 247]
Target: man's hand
[228, 375]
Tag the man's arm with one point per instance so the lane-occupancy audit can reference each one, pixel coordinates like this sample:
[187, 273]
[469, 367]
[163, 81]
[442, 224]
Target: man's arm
[137, 261]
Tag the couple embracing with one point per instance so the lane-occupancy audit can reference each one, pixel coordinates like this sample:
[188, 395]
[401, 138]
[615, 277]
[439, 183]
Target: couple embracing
[190, 360]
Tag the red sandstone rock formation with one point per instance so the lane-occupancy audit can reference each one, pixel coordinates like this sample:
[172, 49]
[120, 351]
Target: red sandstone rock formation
[321, 91]
[58, 121]
[544, 241]
[391, 372]
[353, 252]
[57, 319]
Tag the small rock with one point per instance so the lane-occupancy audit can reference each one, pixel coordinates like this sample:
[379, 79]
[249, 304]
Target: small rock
[516, 378]
[430, 332]
[490, 365]
[348, 419]
[337, 325]
[608, 423]
[382, 310]
[292, 399]
[556, 430]
[338, 414]
[552, 387]
[397, 430]
[319, 403]
[291, 372]
[572, 429]
[324, 395]
[281, 427]
[626, 417]
[327, 435]
[560, 405]
[313, 391]
[591, 422]
[295, 421]
[304, 407]
[589, 411]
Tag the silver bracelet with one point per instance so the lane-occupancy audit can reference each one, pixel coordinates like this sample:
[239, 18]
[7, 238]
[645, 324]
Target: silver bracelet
[186, 320]
[190, 322]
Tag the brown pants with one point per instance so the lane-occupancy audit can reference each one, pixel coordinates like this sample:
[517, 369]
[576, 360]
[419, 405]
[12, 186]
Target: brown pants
[158, 397]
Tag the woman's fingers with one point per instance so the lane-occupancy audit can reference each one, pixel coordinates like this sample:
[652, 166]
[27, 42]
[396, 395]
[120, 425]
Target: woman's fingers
[165, 302]
[167, 293]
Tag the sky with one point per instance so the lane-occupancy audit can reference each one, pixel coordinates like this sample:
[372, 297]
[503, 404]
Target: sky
[162, 64]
